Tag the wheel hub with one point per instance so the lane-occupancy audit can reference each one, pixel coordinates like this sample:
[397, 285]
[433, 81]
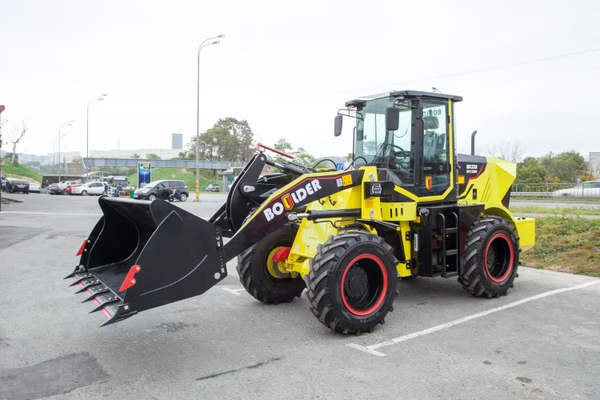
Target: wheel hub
[357, 282]
[492, 256]
[276, 268]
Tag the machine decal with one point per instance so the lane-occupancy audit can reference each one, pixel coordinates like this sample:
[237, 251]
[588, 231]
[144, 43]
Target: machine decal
[288, 199]
[428, 182]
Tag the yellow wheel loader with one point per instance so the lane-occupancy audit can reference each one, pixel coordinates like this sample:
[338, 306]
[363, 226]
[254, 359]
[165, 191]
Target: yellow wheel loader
[407, 205]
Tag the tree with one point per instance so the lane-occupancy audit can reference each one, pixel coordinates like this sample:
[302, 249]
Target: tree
[567, 166]
[15, 137]
[301, 156]
[153, 156]
[135, 155]
[228, 140]
[286, 147]
[506, 151]
[244, 135]
[530, 171]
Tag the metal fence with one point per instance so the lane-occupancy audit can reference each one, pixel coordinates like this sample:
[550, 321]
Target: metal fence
[580, 190]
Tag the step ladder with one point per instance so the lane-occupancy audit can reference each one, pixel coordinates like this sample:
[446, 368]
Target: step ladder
[448, 244]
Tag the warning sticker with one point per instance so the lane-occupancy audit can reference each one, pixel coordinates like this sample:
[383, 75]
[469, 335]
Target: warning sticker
[347, 180]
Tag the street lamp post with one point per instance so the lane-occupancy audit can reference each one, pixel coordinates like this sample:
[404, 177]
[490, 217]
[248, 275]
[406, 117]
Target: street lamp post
[202, 45]
[59, 136]
[87, 135]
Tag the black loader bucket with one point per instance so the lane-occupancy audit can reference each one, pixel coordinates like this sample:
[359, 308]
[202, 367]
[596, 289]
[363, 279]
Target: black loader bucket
[142, 255]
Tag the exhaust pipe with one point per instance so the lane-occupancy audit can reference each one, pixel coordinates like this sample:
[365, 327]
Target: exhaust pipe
[473, 142]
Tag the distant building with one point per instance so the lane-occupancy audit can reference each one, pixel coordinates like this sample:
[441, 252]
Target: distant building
[595, 163]
[177, 141]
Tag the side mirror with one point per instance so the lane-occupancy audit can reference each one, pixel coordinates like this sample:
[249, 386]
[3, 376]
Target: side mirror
[392, 118]
[338, 121]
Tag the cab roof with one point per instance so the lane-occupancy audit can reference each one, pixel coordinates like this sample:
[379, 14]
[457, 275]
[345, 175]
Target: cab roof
[406, 94]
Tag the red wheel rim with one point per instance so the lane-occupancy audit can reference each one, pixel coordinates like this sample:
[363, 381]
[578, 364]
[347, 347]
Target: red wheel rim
[503, 260]
[375, 271]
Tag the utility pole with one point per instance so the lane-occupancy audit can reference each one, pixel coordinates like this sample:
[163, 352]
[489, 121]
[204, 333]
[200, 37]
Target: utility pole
[59, 136]
[202, 45]
[87, 136]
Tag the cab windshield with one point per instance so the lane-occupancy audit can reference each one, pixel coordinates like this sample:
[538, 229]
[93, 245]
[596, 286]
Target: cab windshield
[381, 148]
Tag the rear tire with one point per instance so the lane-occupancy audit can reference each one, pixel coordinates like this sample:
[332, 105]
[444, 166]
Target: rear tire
[183, 197]
[352, 282]
[491, 257]
[255, 276]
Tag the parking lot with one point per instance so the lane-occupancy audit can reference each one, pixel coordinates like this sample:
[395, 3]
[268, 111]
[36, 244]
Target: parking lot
[542, 341]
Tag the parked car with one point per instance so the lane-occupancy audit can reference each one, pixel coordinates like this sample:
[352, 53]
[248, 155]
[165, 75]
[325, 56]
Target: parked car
[60, 187]
[54, 189]
[18, 185]
[34, 187]
[583, 189]
[90, 188]
[161, 190]
[69, 189]
[213, 187]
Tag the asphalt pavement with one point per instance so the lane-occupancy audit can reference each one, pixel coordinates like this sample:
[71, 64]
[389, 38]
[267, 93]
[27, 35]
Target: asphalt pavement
[541, 341]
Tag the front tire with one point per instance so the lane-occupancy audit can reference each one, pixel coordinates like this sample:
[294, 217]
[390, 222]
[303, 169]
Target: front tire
[257, 273]
[352, 282]
[152, 197]
[84, 193]
[491, 257]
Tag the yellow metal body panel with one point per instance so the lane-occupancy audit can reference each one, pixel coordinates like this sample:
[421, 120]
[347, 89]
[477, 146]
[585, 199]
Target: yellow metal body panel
[401, 267]
[491, 186]
[526, 232]
[399, 211]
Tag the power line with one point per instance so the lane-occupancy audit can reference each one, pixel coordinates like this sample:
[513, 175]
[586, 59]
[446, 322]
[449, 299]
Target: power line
[475, 70]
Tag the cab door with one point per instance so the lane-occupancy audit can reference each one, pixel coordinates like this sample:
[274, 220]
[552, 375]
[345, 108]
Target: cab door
[162, 190]
[436, 171]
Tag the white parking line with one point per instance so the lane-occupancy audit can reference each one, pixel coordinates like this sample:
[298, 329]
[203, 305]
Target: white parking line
[372, 349]
[233, 291]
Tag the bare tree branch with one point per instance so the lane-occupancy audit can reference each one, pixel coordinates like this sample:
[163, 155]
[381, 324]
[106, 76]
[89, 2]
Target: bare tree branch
[15, 137]
[512, 152]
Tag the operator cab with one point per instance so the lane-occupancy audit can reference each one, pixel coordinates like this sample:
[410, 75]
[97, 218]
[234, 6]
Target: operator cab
[407, 135]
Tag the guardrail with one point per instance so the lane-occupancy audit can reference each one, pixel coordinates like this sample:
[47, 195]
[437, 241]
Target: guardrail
[557, 190]
[133, 162]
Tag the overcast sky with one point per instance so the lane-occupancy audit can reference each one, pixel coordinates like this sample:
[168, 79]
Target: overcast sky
[287, 67]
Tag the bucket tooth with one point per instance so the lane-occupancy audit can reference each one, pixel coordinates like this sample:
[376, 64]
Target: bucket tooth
[103, 301]
[88, 284]
[79, 278]
[118, 311]
[94, 293]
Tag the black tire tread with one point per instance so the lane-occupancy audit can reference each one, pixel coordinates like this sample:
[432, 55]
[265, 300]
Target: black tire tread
[472, 279]
[251, 273]
[320, 300]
